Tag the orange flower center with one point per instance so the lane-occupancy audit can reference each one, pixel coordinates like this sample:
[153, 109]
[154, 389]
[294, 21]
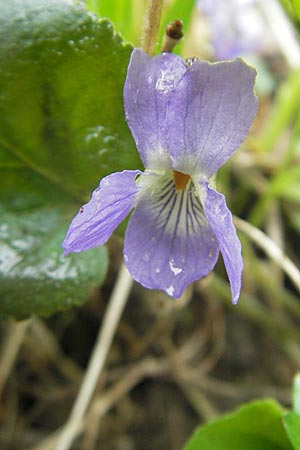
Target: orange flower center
[180, 180]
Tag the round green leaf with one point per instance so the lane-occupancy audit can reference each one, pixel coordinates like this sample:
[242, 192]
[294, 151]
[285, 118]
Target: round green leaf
[256, 426]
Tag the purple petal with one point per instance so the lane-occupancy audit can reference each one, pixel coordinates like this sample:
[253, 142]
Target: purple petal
[148, 86]
[210, 114]
[109, 205]
[168, 241]
[190, 118]
[220, 219]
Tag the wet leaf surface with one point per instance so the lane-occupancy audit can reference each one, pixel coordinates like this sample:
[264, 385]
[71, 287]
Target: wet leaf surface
[34, 274]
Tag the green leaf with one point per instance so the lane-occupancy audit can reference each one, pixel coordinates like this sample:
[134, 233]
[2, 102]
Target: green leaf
[35, 277]
[291, 422]
[21, 188]
[62, 128]
[62, 72]
[255, 426]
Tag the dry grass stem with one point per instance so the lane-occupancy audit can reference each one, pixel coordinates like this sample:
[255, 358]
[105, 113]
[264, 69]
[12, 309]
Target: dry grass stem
[106, 334]
[10, 349]
[148, 367]
[49, 349]
[199, 401]
[271, 249]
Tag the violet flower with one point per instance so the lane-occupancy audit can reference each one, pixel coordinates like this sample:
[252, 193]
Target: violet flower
[187, 120]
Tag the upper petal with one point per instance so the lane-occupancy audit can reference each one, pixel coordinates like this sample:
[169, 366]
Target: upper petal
[148, 87]
[109, 205]
[220, 219]
[190, 118]
[169, 242]
[211, 111]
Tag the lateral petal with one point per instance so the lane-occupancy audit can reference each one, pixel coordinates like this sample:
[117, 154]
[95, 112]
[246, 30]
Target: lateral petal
[220, 220]
[109, 205]
[169, 242]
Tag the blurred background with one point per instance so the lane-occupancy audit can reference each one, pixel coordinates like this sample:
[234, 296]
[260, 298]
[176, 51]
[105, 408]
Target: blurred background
[173, 364]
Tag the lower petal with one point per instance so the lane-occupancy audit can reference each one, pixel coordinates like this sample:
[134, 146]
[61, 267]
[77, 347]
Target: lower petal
[220, 219]
[168, 241]
[109, 205]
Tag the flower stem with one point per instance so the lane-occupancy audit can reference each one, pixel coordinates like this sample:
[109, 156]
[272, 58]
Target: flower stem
[151, 25]
[103, 343]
